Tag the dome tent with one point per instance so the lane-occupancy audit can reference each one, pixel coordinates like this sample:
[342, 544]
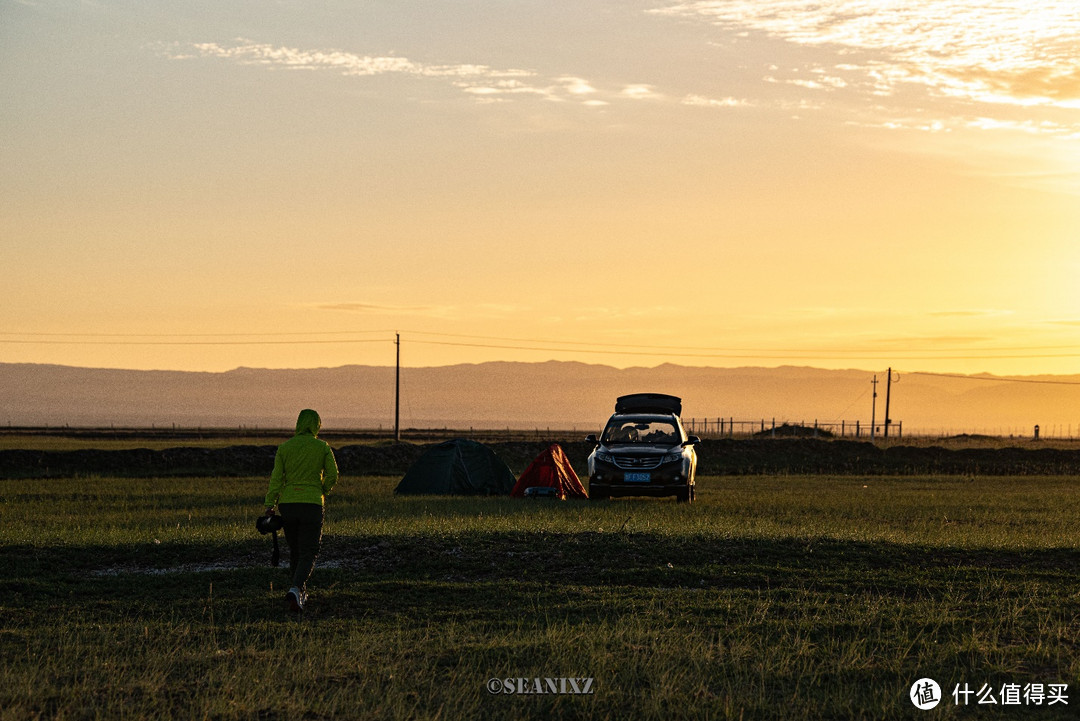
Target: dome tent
[551, 469]
[457, 467]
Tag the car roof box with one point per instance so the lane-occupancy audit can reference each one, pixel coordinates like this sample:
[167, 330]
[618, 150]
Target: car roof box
[649, 403]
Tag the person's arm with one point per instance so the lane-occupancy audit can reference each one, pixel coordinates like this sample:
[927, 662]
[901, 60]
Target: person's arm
[330, 471]
[277, 479]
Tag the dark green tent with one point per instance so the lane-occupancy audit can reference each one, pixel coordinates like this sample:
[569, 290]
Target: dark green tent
[458, 467]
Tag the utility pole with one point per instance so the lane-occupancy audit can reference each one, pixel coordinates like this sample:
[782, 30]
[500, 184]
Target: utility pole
[888, 393]
[873, 410]
[397, 389]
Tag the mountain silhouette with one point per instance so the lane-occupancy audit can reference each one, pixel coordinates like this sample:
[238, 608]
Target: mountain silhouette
[554, 394]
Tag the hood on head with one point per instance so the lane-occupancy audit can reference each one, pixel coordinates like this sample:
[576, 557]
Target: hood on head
[308, 422]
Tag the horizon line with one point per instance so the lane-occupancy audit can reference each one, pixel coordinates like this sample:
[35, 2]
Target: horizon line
[982, 375]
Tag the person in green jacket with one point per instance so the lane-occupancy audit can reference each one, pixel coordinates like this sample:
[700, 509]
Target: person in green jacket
[304, 472]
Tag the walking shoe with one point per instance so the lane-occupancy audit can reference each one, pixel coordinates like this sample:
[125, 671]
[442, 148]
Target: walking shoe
[295, 600]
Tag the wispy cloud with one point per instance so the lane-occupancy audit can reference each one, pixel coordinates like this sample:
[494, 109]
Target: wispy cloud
[1000, 51]
[375, 308]
[703, 102]
[482, 82]
[641, 92]
[566, 88]
[608, 314]
[442, 312]
[343, 62]
[1001, 77]
[970, 313]
[948, 124]
[932, 342]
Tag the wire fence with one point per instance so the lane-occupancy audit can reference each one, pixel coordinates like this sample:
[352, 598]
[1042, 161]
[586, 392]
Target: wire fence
[717, 427]
[706, 428]
[731, 428]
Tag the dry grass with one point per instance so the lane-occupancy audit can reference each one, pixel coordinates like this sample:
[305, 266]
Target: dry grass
[793, 597]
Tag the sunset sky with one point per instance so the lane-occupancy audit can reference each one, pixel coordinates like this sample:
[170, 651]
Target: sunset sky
[835, 183]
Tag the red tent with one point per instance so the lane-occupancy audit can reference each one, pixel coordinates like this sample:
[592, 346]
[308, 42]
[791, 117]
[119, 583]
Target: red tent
[551, 469]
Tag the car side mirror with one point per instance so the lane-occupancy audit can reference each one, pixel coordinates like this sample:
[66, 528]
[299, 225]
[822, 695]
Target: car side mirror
[591, 438]
[692, 441]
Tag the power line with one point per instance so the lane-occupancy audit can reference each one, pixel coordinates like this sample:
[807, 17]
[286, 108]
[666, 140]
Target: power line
[746, 354]
[726, 349]
[195, 342]
[190, 335]
[551, 341]
[996, 380]
[523, 344]
[658, 352]
[666, 349]
[861, 396]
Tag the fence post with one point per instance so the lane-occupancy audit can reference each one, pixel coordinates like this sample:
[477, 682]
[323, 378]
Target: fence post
[857, 429]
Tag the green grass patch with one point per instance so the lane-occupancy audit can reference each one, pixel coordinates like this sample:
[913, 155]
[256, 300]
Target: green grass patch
[771, 597]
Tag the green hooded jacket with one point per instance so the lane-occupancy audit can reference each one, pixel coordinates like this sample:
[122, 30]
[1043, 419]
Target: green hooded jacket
[304, 468]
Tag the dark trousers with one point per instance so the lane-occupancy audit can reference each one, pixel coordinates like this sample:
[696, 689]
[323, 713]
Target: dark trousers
[302, 524]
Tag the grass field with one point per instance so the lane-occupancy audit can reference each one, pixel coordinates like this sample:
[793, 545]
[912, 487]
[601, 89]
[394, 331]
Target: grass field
[771, 597]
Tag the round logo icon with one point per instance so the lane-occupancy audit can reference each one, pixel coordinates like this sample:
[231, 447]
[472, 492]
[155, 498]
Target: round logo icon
[925, 694]
[494, 685]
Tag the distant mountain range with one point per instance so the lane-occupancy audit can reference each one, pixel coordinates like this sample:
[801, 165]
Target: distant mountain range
[555, 394]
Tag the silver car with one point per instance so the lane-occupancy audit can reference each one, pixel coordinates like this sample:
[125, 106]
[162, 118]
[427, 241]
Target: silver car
[644, 450]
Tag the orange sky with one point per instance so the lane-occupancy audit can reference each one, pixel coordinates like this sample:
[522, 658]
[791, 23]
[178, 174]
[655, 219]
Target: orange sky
[840, 184]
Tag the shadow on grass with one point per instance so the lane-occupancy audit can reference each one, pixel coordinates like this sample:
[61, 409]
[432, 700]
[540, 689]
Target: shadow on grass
[719, 624]
[398, 568]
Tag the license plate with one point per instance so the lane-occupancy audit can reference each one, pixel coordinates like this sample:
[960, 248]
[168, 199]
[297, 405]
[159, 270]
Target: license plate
[637, 477]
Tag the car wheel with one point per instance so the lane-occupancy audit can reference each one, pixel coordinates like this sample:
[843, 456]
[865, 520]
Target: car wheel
[685, 495]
